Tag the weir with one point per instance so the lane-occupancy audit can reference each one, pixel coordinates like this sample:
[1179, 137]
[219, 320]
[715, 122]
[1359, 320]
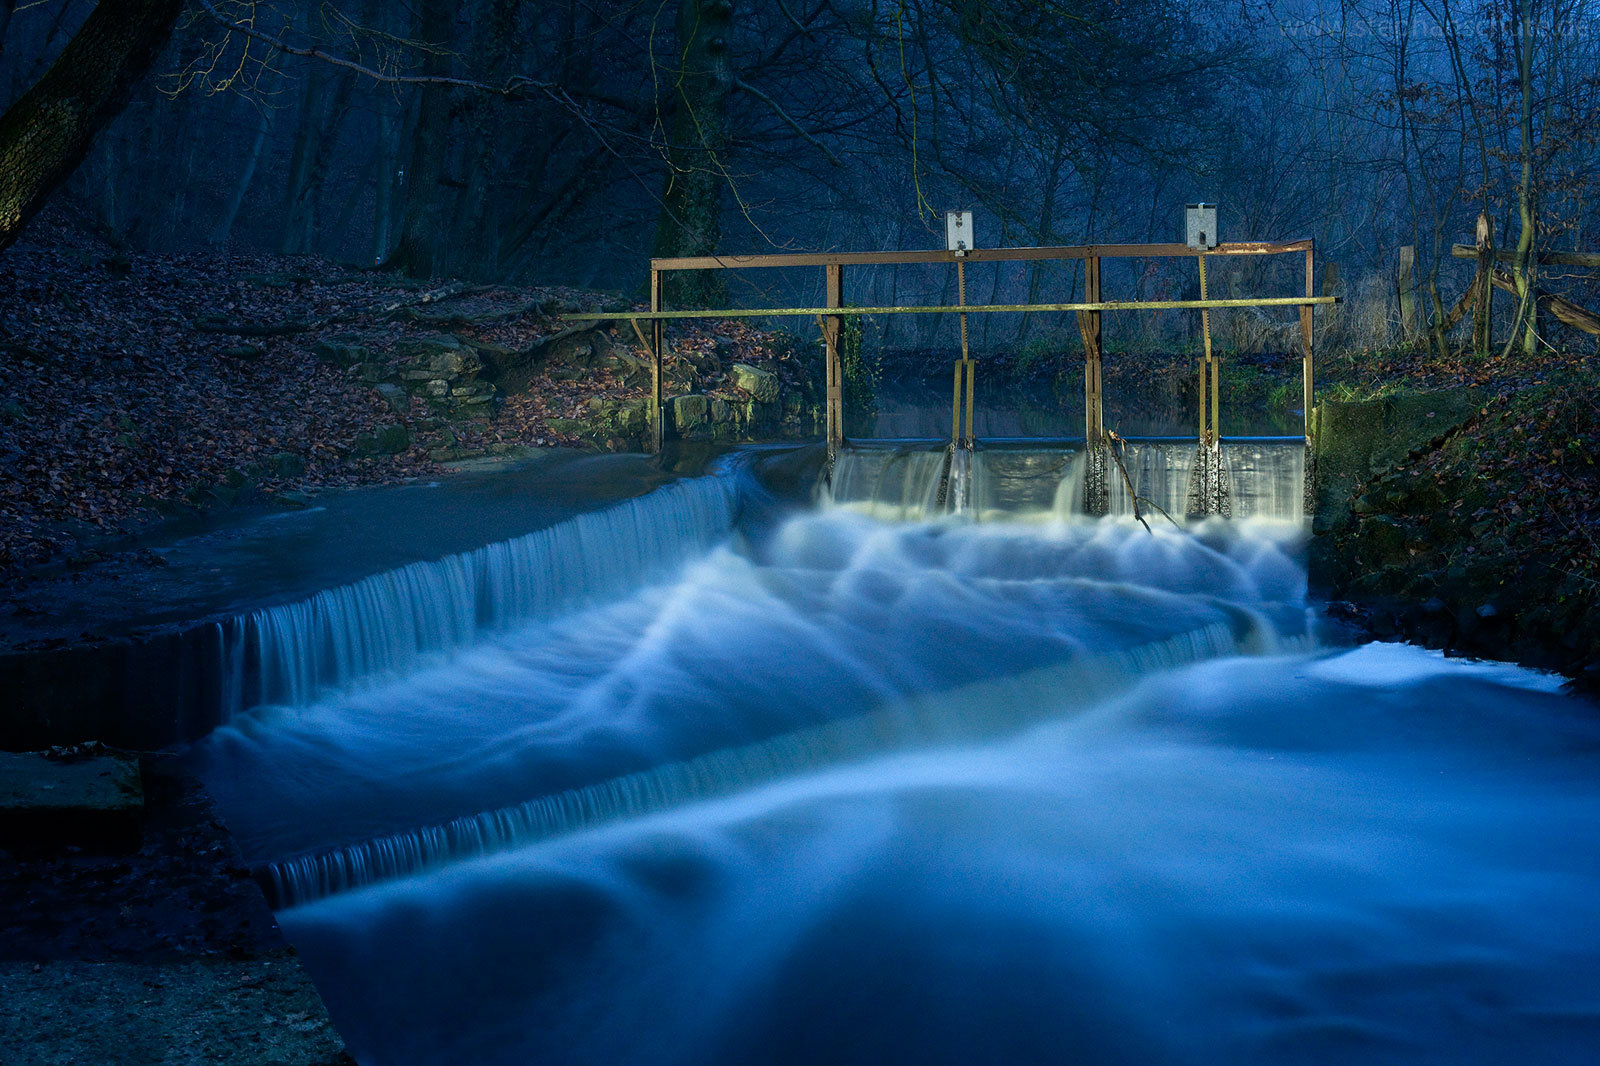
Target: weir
[1008, 758]
[1208, 489]
[1055, 481]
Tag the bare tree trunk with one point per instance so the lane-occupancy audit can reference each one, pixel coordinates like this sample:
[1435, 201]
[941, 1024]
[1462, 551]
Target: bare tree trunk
[320, 118]
[417, 253]
[46, 133]
[479, 249]
[691, 211]
[386, 176]
[224, 227]
[6, 8]
[1527, 320]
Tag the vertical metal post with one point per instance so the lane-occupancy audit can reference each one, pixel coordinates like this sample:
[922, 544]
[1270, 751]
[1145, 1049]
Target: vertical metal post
[955, 408]
[1094, 426]
[1096, 486]
[658, 331]
[964, 437]
[1210, 430]
[835, 369]
[1306, 326]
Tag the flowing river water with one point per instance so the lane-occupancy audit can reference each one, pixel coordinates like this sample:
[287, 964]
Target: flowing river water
[703, 779]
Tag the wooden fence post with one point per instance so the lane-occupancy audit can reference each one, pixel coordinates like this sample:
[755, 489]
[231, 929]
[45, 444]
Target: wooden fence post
[1482, 325]
[1406, 285]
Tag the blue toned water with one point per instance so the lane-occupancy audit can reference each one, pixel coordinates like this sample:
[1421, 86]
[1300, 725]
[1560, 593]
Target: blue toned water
[860, 785]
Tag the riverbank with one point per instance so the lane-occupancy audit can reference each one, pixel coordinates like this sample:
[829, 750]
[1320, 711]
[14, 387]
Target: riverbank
[1467, 518]
[140, 388]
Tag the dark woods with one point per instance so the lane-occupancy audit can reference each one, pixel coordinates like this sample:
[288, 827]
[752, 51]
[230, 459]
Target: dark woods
[566, 142]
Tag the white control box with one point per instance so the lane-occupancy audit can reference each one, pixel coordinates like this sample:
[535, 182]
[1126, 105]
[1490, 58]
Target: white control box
[958, 231]
[1201, 226]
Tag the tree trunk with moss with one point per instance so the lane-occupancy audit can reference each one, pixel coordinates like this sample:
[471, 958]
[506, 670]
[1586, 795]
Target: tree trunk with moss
[48, 131]
[691, 208]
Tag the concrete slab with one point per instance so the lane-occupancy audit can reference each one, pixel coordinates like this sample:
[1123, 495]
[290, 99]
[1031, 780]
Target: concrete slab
[93, 801]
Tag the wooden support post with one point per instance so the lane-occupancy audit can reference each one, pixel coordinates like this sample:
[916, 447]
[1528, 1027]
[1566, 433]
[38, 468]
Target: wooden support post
[1406, 286]
[1306, 328]
[658, 335]
[835, 368]
[1481, 324]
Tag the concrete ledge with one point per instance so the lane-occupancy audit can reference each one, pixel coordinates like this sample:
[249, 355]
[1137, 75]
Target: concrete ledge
[93, 802]
[163, 954]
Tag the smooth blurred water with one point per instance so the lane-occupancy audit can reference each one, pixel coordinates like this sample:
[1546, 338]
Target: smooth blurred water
[853, 790]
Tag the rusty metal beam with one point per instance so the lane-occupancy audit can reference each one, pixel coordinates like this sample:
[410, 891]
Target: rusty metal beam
[977, 255]
[831, 330]
[1089, 329]
[1306, 336]
[658, 332]
[813, 312]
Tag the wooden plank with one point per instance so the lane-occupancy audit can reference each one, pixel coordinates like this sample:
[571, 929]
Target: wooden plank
[977, 255]
[1103, 305]
[1405, 285]
[1508, 255]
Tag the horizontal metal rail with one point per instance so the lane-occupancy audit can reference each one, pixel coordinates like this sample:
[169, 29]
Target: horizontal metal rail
[976, 255]
[1102, 305]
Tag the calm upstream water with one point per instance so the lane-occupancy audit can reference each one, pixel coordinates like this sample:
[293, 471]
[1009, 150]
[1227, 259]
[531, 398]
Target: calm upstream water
[859, 784]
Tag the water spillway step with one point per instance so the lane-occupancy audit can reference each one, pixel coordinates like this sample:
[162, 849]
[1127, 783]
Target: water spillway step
[973, 712]
[385, 624]
[1266, 478]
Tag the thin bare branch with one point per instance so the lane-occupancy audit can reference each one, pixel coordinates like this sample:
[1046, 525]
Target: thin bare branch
[740, 83]
[516, 86]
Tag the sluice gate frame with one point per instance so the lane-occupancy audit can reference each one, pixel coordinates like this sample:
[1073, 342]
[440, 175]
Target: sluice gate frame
[1208, 490]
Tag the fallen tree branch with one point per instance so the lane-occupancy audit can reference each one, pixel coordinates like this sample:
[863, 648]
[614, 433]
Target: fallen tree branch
[1560, 308]
[218, 324]
[1117, 442]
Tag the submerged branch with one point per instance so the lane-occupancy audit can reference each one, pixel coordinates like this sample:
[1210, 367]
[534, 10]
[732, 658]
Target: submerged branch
[1117, 443]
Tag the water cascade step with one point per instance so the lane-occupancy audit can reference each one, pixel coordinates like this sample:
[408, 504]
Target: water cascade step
[915, 482]
[974, 712]
[388, 623]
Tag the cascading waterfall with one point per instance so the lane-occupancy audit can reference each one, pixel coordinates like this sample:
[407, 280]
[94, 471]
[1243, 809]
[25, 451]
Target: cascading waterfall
[1266, 479]
[978, 711]
[899, 484]
[389, 622]
[1022, 789]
